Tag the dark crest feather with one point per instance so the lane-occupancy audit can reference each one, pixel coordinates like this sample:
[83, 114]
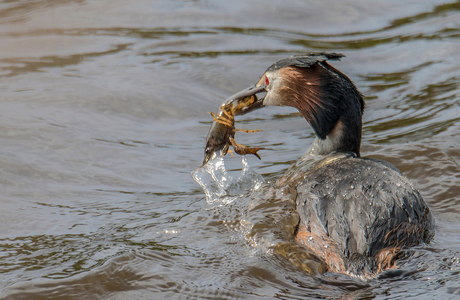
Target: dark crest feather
[305, 60]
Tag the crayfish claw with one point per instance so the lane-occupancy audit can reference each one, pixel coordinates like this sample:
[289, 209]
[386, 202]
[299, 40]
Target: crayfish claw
[243, 150]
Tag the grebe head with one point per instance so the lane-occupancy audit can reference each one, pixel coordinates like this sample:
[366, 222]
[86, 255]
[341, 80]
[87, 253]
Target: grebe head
[326, 97]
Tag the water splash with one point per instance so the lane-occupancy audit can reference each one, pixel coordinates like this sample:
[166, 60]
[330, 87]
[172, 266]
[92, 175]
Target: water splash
[219, 186]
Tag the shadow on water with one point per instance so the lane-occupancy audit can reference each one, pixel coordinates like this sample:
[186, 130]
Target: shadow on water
[17, 11]
[17, 66]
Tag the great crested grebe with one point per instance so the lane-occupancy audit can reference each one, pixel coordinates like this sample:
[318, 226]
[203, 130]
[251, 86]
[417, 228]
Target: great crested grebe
[356, 214]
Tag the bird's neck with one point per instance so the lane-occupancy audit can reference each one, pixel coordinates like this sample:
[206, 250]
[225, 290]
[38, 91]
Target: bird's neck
[344, 137]
[338, 121]
[330, 103]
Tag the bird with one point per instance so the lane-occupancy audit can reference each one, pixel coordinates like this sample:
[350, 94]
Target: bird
[357, 214]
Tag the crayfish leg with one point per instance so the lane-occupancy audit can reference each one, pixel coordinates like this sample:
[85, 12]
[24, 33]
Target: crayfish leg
[222, 120]
[242, 150]
[248, 131]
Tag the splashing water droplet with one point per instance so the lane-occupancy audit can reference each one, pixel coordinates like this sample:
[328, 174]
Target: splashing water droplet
[218, 185]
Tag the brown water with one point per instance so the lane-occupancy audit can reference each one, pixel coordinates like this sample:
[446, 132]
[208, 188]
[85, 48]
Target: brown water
[103, 117]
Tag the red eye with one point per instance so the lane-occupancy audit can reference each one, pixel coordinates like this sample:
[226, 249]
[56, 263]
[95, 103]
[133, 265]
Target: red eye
[266, 80]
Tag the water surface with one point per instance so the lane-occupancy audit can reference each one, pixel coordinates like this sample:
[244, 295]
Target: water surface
[103, 117]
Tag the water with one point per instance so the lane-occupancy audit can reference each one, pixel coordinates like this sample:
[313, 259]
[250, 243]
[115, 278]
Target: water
[103, 118]
[219, 186]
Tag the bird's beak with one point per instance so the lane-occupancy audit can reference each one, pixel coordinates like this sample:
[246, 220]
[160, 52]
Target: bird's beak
[250, 91]
[223, 126]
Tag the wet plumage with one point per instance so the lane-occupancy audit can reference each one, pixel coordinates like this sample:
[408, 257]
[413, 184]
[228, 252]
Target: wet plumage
[356, 214]
[362, 210]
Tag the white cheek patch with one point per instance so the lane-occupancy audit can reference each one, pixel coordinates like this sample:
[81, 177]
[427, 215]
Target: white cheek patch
[273, 97]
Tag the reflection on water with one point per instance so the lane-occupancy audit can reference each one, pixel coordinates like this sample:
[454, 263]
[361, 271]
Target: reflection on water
[103, 117]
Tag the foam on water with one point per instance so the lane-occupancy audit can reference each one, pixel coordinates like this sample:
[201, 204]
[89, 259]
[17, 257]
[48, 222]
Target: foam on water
[219, 186]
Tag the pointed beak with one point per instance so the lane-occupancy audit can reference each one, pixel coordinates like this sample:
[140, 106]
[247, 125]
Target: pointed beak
[235, 100]
[239, 104]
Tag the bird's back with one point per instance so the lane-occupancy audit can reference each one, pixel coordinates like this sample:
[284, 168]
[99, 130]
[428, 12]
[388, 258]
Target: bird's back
[358, 213]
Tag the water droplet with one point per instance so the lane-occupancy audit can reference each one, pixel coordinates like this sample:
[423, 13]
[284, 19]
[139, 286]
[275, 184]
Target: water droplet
[218, 185]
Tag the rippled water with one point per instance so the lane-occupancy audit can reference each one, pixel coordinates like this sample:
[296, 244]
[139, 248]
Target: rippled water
[103, 117]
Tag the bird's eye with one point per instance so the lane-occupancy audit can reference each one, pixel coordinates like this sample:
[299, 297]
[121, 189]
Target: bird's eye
[266, 80]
